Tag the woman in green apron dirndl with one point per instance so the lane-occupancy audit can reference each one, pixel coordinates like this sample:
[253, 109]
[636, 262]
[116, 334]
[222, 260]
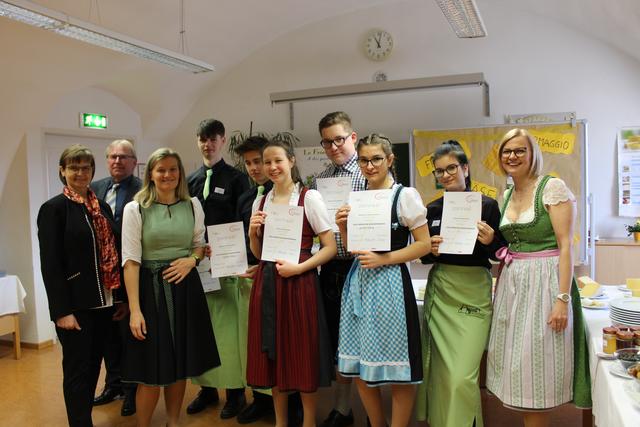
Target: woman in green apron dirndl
[457, 305]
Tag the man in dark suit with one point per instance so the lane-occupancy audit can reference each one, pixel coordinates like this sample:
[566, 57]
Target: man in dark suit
[118, 190]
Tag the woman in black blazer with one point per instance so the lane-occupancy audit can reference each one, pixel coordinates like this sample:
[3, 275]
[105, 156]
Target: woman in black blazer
[80, 265]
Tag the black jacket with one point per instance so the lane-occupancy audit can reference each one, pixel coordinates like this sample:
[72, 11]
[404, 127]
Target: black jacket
[101, 186]
[69, 256]
[226, 185]
[481, 253]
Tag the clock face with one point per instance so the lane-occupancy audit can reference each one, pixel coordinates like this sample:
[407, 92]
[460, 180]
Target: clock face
[378, 45]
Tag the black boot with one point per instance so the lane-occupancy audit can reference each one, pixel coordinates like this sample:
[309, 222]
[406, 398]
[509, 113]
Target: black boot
[207, 396]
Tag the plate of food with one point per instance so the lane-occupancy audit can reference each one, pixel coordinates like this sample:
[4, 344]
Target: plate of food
[594, 304]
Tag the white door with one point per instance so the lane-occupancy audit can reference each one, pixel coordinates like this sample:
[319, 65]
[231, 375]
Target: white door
[55, 145]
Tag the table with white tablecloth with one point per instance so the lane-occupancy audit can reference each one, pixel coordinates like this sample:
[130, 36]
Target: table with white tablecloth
[12, 296]
[612, 406]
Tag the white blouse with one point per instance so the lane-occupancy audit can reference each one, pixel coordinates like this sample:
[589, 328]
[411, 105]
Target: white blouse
[556, 191]
[411, 211]
[314, 207]
[132, 230]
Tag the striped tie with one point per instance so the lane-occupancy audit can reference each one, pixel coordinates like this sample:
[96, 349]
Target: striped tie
[111, 197]
[207, 184]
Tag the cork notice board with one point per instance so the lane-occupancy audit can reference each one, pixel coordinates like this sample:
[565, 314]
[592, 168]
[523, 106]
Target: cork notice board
[563, 148]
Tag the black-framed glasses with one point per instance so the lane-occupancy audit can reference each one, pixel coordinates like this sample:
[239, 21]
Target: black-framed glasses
[338, 141]
[518, 152]
[452, 169]
[115, 157]
[375, 161]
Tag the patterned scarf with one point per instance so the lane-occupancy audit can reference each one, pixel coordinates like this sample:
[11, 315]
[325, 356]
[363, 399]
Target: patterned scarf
[109, 262]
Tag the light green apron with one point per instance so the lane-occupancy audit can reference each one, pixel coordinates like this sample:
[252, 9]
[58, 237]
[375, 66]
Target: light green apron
[457, 318]
[228, 310]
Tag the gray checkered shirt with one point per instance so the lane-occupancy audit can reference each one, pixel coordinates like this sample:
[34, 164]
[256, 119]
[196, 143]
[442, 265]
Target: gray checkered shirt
[350, 168]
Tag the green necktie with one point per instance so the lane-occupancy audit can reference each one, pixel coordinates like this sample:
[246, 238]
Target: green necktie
[207, 184]
[260, 191]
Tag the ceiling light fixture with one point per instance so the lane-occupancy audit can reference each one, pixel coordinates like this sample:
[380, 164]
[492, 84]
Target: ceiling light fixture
[464, 17]
[30, 13]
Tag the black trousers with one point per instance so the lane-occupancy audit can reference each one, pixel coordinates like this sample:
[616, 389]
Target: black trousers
[114, 354]
[82, 352]
[332, 277]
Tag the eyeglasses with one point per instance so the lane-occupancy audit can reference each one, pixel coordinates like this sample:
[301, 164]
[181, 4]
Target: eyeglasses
[375, 161]
[338, 141]
[120, 157]
[519, 152]
[82, 169]
[452, 169]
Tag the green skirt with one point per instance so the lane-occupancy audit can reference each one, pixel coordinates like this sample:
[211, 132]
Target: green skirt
[229, 311]
[457, 318]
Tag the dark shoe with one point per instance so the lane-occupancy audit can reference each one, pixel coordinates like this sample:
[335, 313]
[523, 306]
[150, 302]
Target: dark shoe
[206, 396]
[336, 419]
[233, 407]
[129, 404]
[255, 411]
[108, 395]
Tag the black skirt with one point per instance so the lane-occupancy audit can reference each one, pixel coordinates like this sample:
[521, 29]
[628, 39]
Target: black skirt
[179, 343]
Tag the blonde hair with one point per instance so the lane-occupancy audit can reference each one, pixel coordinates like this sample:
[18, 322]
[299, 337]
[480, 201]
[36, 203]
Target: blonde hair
[147, 195]
[535, 168]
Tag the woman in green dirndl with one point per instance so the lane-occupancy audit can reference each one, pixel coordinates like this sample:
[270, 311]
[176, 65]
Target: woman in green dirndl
[537, 354]
[457, 306]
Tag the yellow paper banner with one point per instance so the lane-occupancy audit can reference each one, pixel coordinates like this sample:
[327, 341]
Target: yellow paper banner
[424, 165]
[557, 143]
[485, 189]
[491, 162]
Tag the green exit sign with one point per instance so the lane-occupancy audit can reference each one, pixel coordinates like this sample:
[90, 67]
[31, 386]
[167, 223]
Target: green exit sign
[93, 121]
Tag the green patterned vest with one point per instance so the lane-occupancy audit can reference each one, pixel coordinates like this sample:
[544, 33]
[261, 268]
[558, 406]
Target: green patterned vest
[533, 236]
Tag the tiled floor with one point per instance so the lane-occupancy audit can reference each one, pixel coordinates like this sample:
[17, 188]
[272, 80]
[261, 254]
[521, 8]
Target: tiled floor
[31, 395]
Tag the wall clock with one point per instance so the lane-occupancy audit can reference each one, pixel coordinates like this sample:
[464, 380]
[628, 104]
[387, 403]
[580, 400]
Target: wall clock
[378, 45]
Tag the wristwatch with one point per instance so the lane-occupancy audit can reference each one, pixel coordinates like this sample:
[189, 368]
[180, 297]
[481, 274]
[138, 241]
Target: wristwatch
[564, 297]
[197, 258]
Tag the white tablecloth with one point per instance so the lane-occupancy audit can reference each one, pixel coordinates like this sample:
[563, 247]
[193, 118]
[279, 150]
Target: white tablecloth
[612, 407]
[12, 295]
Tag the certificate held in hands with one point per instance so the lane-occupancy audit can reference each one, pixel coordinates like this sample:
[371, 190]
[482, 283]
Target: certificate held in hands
[335, 192]
[229, 255]
[459, 228]
[282, 233]
[369, 224]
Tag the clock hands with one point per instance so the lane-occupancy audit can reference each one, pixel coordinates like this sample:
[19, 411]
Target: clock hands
[377, 40]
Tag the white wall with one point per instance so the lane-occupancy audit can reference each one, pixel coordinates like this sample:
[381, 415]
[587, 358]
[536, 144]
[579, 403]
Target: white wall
[533, 65]
[25, 258]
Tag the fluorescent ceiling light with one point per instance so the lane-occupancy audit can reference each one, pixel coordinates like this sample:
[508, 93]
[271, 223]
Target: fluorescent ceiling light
[464, 17]
[30, 13]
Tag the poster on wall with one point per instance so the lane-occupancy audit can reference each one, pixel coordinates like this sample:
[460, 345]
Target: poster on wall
[311, 161]
[629, 172]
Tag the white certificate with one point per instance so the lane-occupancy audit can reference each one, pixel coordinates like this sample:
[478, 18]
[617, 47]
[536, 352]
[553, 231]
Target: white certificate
[369, 224]
[282, 233]
[335, 192]
[460, 215]
[209, 284]
[228, 249]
